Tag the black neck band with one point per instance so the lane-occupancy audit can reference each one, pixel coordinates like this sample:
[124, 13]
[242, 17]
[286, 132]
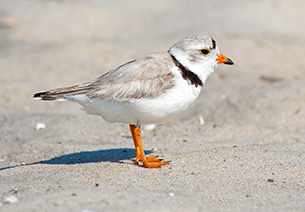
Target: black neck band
[186, 73]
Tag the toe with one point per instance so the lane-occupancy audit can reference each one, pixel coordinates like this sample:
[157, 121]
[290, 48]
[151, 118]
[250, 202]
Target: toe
[153, 162]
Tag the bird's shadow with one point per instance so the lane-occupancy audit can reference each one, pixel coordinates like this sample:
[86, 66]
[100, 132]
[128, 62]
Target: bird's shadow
[105, 155]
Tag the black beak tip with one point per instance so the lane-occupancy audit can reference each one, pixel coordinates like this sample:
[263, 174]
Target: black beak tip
[229, 62]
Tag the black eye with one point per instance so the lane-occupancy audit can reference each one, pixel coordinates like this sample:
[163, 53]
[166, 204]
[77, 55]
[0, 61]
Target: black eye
[204, 51]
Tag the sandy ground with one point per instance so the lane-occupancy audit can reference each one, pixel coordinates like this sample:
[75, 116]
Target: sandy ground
[247, 156]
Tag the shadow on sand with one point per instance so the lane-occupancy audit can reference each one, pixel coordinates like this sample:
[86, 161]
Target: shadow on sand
[105, 155]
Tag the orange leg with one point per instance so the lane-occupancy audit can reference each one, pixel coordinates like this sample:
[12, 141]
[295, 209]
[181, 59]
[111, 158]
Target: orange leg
[138, 153]
[149, 162]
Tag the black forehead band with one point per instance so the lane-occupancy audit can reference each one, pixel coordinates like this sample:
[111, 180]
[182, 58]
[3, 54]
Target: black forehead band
[214, 43]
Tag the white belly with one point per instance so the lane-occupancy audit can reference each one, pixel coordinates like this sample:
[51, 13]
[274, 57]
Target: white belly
[164, 107]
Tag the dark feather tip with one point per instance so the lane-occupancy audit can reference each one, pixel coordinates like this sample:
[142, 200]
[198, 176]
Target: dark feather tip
[44, 96]
[39, 95]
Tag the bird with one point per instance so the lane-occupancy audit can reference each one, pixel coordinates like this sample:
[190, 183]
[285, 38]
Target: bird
[147, 90]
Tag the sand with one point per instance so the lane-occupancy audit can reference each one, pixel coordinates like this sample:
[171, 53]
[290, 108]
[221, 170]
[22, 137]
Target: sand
[239, 147]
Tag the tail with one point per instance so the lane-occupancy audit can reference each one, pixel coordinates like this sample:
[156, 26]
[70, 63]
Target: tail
[61, 93]
[48, 95]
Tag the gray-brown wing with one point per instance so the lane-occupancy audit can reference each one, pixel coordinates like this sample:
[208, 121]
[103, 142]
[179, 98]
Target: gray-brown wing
[145, 77]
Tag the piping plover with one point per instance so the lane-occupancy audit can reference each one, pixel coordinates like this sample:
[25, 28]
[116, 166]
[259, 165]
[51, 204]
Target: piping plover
[147, 90]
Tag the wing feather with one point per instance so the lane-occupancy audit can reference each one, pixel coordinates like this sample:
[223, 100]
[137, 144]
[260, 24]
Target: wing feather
[146, 77]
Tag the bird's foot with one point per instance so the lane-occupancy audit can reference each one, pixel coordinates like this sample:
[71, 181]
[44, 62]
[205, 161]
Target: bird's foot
[153, 162]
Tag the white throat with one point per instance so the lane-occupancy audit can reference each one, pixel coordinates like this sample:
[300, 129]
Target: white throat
[202, 69]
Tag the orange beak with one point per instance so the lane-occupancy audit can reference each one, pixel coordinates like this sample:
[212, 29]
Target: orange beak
[223, 59]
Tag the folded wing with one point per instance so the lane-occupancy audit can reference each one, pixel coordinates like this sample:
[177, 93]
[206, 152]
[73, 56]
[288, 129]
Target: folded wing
[145, 77]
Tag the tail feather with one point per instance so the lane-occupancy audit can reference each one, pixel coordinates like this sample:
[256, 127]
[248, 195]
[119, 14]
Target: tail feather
[61, 93]
[46, 96]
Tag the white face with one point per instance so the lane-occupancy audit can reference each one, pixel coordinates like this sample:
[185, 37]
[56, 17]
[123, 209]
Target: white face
[196, 50]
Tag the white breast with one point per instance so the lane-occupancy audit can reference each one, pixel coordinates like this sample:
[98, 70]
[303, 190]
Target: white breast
[154, 110]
